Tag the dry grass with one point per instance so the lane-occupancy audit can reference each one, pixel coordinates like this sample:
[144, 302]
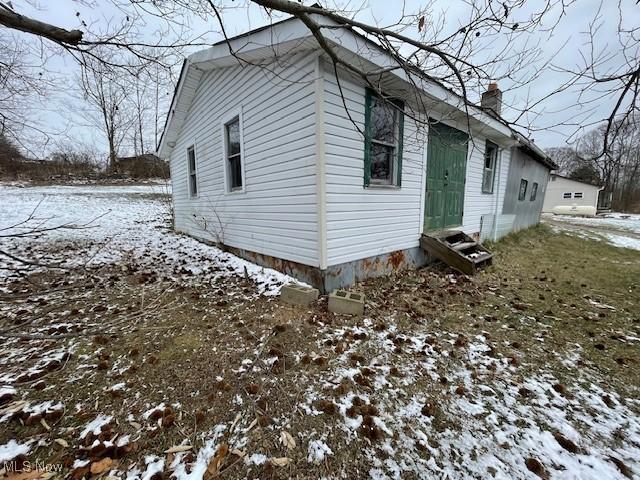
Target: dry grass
[195, 352]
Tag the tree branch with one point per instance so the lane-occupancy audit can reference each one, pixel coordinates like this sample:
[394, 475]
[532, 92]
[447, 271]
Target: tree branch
[11, 19]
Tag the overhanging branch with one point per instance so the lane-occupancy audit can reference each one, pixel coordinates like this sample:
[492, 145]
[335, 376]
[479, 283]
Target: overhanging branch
[13, 20]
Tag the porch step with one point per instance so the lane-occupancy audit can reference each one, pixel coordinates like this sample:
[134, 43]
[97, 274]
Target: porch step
[457, 249]
[463, 246]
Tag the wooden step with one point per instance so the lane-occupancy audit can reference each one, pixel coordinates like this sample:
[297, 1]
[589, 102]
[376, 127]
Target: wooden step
[456, 249]
[463, 245]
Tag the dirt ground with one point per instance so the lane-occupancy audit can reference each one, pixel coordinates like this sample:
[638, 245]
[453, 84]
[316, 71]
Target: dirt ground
[528, 369]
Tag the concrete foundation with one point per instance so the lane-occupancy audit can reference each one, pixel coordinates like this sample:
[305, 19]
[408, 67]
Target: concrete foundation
[348, 303]
[295, 294]
[342, 275]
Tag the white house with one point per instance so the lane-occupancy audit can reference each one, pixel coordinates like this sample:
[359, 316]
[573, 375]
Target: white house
[566, 196]
[287, 164]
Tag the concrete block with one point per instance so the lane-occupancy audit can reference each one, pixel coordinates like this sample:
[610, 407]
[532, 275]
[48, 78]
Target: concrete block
[350, 303]
[298, 295]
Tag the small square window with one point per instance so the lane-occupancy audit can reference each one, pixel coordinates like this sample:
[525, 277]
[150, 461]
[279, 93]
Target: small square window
[489, 171]
[566, 195]
[577, 195]
[534, 192]
[193, 175]
[523, 189]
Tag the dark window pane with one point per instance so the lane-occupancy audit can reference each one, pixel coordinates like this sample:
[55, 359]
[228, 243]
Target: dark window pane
[193, 184]
[192, 159]
[233, 137]
[523, 189]
[489, 156]
[381, 162]
[236, 172]
[383, 121]
[534, 192]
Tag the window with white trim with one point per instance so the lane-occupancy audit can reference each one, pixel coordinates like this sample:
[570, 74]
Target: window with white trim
[489, 171]
[384, 126]
[566, 195]
[577, 195]
[193, 175]
[233, 154]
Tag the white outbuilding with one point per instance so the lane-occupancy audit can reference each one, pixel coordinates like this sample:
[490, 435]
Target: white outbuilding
[291, 164]
[566, 196]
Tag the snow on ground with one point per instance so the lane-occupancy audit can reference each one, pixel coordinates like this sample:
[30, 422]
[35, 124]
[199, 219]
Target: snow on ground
[619, 229]
[12, 450]
[112, 224]
[623, 221]
[495, 424]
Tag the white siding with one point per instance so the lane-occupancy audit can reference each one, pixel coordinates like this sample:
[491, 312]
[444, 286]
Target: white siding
[363, 222]
[476, 203]
[276, 215]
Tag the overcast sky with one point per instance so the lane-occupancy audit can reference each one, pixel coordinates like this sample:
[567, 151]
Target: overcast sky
[564, 47]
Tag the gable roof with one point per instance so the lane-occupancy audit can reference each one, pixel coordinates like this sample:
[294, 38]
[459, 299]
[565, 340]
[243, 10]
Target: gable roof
[568, 179]
[292, 34]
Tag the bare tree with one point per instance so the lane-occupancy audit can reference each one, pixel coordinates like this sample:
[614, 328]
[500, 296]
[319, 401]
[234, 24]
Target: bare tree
[108, 111]
[490, 43]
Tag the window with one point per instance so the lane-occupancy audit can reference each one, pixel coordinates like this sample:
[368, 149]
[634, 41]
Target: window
[193, 178]
[566, 195]
[534, 192]
[233, 154]
[523, 189]
[384, 124]
[489, 172]
[577, 195]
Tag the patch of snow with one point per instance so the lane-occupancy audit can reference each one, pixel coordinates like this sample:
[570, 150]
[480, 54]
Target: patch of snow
[317, 451]
[205, 454]
[6, 391]
[95, 425]
[12, 450]
[149, 412]
[622, 241]
[119, 222]
[154, 465]
[256, 459]
[80, 463]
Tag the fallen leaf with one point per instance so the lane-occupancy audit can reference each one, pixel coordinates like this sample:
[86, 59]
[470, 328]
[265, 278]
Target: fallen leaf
[238, 453]
[218, 458]
[101, 466]
[45, 424]
[135, 425]
[179, 448]
[280, 462]
[62, 442]
[287, 440]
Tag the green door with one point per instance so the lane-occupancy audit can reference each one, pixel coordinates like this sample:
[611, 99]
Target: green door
[446, 170]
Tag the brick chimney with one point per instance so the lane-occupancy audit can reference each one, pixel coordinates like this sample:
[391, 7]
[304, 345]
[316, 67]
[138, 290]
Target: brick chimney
[492, 99]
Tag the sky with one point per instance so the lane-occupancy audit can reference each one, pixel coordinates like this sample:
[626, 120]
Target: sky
[556, 121]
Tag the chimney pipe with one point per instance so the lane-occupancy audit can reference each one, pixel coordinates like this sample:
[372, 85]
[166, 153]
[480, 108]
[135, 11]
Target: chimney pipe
[492, 99]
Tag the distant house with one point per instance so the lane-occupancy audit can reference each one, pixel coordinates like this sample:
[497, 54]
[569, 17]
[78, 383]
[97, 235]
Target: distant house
[568, 196]
[146, 165]
[266, 160]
